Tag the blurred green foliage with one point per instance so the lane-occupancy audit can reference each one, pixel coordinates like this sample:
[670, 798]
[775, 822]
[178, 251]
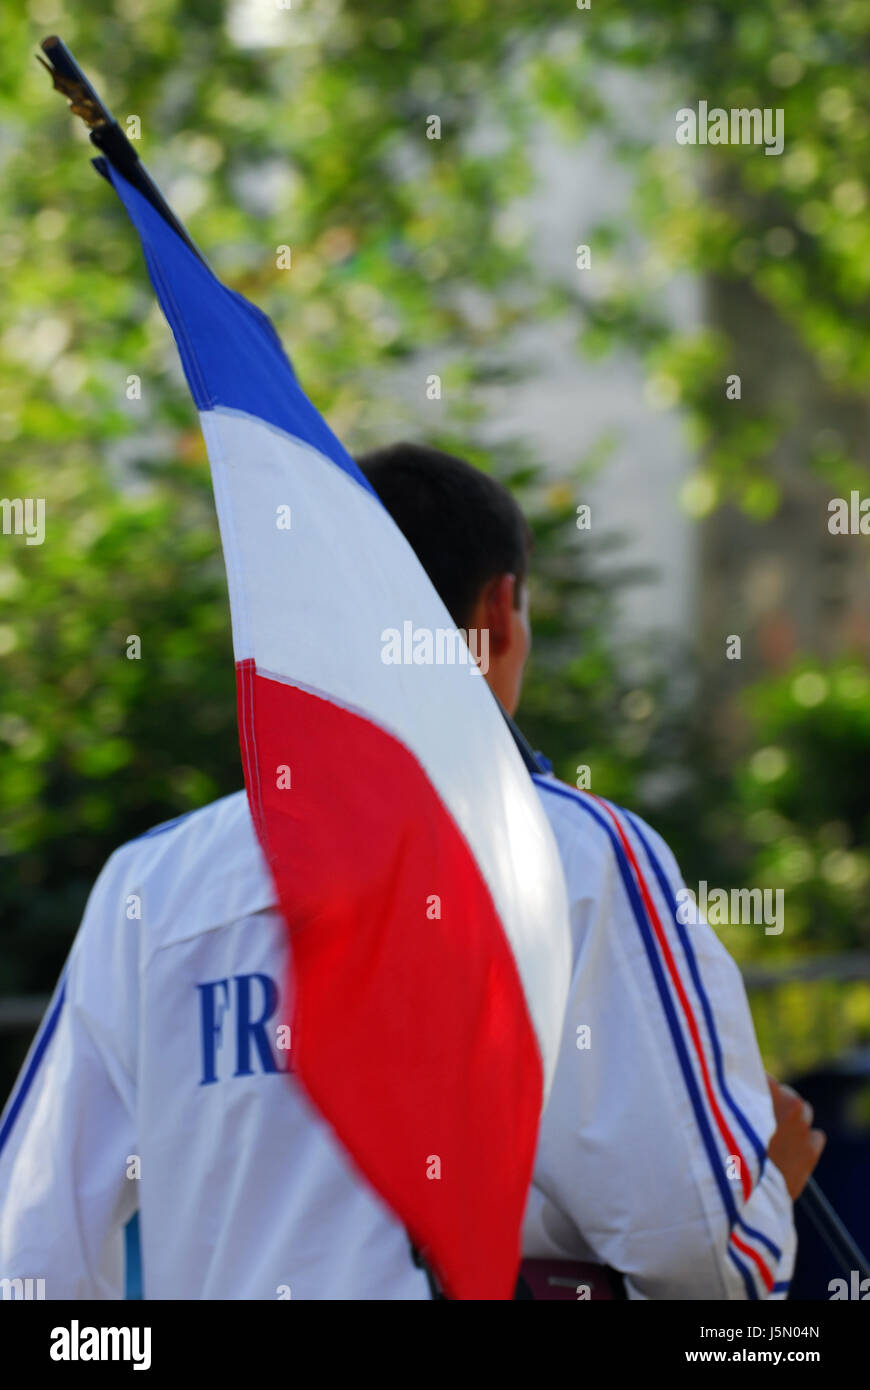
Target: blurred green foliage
[803, 802]
[306, 127]
[793, 814]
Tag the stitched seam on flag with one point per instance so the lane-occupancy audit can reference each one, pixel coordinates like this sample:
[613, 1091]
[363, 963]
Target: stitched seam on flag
[252, 736]
[245, 736]
[329, 698]
[216, 412]
[379, 723]
[43, 1039]
[242, 669]
[701, 1117]
[339, 703]
[355, 474]
[695, 973]
[202, 398]
[751, 1291]
[245, 668]
[239, 612]
[151, 261]
[688, 1014]
[766, 1276]
[386, 728]
[176, 323]
[501, 918]
[246, 673]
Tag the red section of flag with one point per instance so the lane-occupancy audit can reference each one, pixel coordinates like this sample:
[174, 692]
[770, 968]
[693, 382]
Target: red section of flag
[411, 1030]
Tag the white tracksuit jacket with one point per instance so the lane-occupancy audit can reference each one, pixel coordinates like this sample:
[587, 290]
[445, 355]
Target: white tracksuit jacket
[156, 1082]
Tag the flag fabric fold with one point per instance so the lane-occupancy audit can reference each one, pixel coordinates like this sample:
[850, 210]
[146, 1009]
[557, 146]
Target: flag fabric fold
[412, 863]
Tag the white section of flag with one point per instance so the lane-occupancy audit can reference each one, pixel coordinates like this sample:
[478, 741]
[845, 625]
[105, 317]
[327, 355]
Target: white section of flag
[293, 617]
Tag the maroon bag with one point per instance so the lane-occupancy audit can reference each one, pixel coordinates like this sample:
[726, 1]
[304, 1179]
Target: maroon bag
[547, 1279]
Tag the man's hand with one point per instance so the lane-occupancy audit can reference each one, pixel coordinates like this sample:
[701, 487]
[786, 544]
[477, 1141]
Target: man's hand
[794, 1147]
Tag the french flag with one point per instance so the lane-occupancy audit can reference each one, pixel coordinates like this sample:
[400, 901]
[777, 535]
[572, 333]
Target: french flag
[415, 870]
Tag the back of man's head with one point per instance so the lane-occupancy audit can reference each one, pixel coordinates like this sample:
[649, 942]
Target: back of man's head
[464, 527]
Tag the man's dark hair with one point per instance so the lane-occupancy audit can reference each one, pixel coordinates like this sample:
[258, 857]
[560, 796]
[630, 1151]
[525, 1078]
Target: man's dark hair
[464, 527]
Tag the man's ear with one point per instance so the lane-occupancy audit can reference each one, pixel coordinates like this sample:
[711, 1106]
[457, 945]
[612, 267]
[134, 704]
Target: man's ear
[496, 607]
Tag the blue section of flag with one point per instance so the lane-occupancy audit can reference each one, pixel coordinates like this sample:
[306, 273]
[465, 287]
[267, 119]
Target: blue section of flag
[231, 354]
